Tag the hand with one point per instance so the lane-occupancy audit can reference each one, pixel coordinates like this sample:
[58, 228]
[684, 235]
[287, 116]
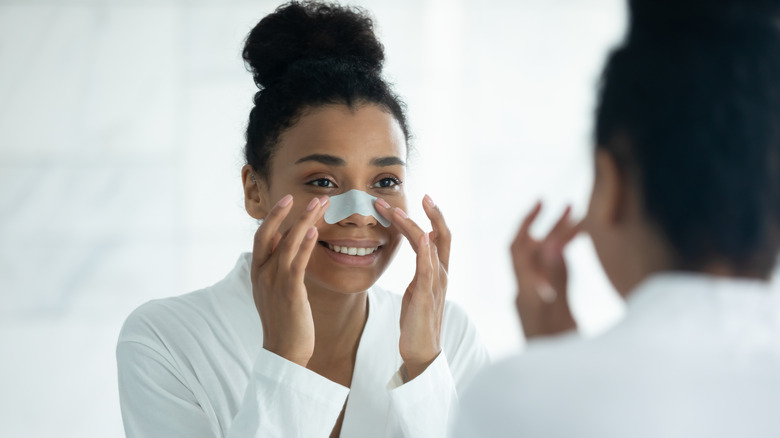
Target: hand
[422, 306]
[278, 268]
[542, 277]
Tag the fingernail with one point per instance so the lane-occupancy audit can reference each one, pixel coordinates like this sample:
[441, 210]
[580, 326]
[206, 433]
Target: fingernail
[546, 293]
[382, 203]
[429, 201]
[313, 204]
[401, 213]
[324, 200]
[285, 201]
[426, 238]
[311, 233]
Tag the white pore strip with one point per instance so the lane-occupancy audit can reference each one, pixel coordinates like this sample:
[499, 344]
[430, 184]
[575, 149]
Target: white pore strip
[354, 201]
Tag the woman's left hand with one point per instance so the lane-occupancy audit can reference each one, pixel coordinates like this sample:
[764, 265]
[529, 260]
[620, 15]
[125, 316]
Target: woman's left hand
[422, 306]
[542, 276]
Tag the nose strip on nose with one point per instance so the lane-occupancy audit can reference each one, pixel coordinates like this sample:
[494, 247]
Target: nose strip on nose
[354, 201]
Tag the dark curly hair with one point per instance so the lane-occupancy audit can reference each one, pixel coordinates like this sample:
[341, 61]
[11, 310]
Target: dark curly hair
[307, 55]
[695, 91]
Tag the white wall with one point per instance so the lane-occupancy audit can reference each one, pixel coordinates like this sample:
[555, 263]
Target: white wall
[121, 129]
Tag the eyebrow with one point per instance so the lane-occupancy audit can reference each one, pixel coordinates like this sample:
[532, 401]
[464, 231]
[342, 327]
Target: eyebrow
[387, 161]
[332, 160]
[328, 160]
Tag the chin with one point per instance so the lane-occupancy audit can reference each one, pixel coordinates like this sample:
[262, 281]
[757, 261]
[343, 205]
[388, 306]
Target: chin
[344, 283]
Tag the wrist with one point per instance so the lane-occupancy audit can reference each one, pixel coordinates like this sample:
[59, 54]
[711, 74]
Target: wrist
[549, 324]
[413, 368]
[298, 358]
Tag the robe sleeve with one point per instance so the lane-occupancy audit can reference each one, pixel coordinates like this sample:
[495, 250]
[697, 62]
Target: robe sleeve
[282, 399]
[426, 405]
[422, 406]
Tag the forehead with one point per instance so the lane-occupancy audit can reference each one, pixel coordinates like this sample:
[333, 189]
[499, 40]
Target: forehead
[356, 134]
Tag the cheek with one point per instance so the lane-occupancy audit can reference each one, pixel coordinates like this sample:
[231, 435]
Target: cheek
[394, 237]
[397, 201]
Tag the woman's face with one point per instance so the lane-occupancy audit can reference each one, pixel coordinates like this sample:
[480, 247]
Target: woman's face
[330, 150]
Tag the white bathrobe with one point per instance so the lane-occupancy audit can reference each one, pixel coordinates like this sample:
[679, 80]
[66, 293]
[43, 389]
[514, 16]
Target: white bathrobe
[193, 366]
[695, 356]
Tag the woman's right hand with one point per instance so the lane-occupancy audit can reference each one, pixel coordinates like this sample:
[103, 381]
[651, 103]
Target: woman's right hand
[278, 268]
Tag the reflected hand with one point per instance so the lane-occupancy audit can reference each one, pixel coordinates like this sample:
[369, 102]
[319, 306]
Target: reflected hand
[542, 277]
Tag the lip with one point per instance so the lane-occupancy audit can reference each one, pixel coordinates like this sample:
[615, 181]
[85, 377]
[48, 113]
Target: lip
[355, 243]
[349, 260]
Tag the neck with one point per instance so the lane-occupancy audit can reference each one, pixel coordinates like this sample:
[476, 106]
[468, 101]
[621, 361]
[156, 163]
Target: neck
[657, 257]
[653, 258]
[339, 319]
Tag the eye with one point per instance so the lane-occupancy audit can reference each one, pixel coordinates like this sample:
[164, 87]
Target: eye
[388, 182]
[324, 183]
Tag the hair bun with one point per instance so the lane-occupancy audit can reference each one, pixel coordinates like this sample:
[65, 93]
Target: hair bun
[300, 31]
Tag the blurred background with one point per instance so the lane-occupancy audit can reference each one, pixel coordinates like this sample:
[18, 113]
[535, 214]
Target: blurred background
[121, 128]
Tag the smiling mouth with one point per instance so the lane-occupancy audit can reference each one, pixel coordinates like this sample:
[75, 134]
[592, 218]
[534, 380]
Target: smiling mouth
[350, 250]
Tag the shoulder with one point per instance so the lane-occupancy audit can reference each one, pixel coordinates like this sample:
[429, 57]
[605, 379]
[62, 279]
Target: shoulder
[156, 320]
[199, 313]
[555, 362]
[565, 376]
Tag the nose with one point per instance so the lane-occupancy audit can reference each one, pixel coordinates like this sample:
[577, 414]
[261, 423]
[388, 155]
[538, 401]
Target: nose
[358, 220]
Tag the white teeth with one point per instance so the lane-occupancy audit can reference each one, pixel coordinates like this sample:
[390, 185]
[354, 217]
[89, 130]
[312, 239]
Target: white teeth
[351, 250]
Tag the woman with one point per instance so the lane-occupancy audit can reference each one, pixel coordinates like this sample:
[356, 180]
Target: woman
[685, 218]
[297, 340]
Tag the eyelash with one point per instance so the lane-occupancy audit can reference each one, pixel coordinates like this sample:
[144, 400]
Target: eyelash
[316, 183]
[396, 182]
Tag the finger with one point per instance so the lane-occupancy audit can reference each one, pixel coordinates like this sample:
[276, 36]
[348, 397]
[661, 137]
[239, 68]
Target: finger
[555, 274]
[433, 255]
[442, 237]
[559, 230]
[276, 239]
[402, 222]
[572, 232]
[523, 246]
[439, 282]
[266, 234]
[523, 233]
[556, 271]
[384, 208]
[298, 266]
[291, 242]
[560, 236]
[424, 273]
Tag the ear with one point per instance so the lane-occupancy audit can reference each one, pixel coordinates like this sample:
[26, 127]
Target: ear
[255, 193]
[608, 201]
